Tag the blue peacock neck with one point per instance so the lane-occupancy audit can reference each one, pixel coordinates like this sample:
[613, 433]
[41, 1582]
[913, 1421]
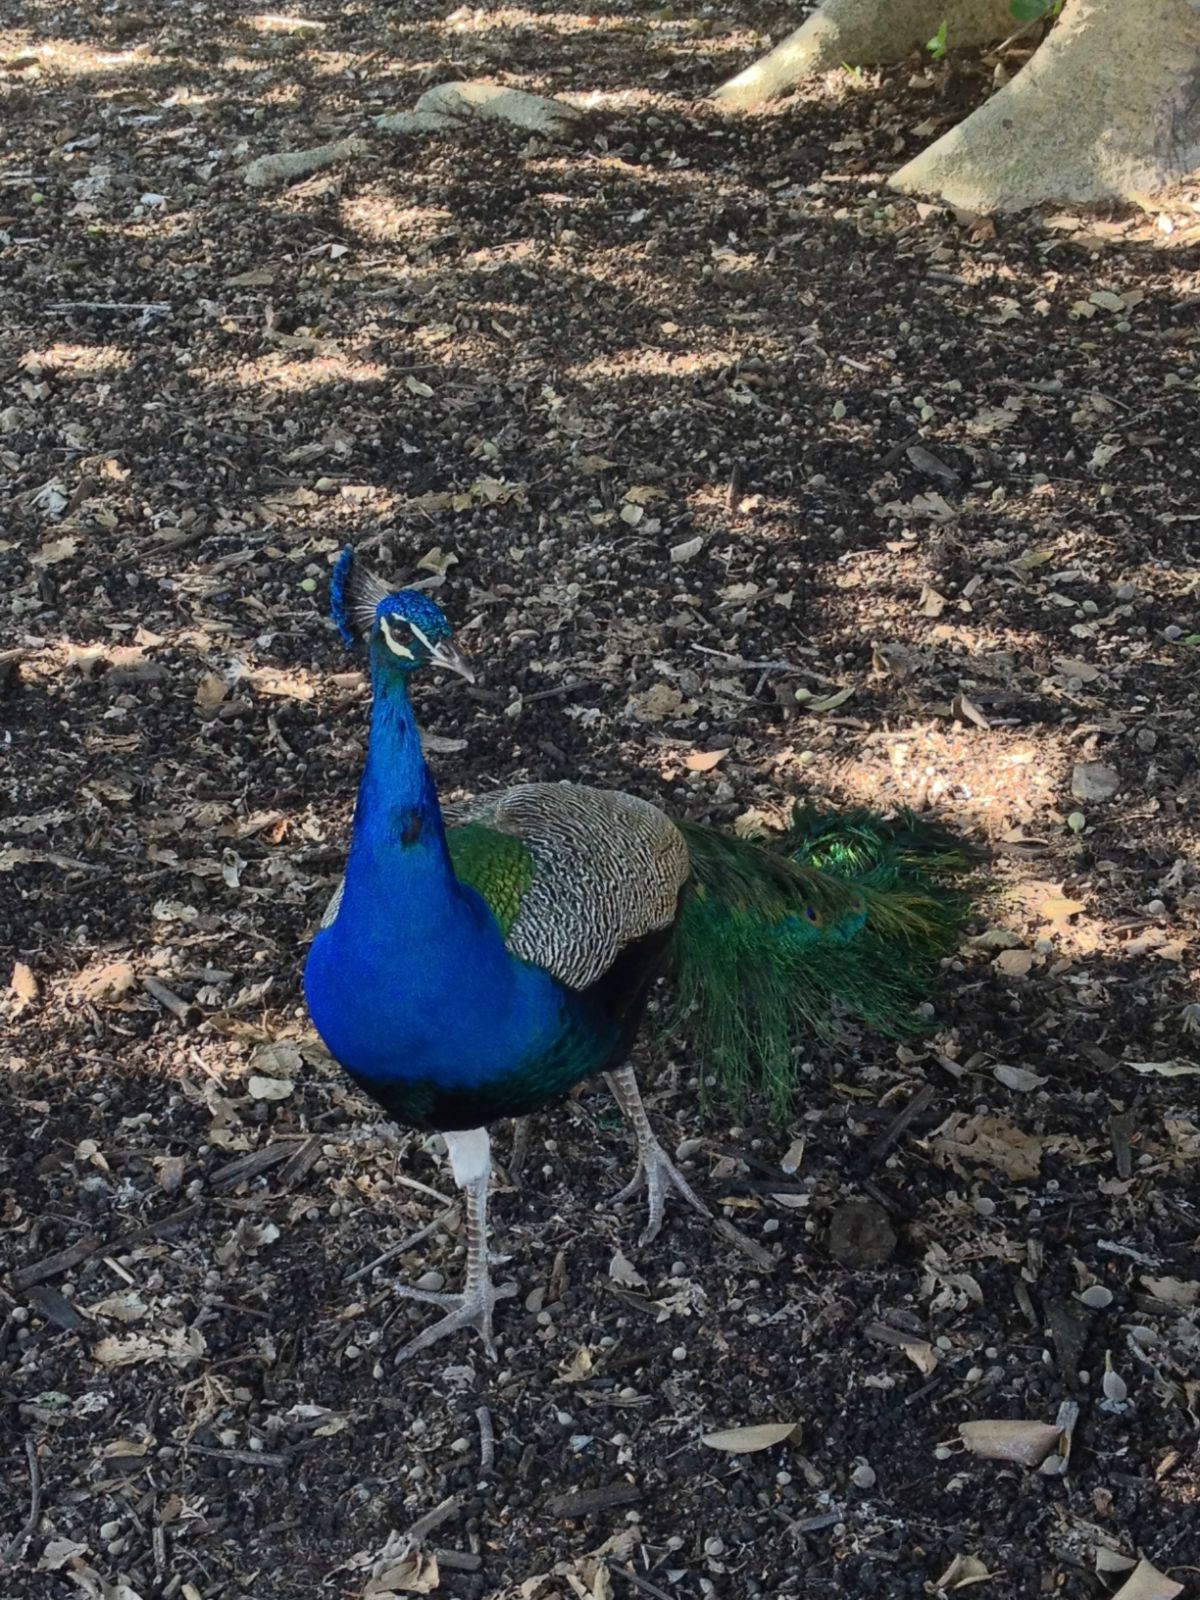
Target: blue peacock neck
[411, 984]
[399, 841]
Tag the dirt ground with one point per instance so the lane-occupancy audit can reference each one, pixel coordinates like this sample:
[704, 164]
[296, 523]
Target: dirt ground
[744, 481]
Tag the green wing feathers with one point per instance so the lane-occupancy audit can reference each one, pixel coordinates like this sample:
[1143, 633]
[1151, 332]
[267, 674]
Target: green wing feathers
[845, 913]
[497, 865]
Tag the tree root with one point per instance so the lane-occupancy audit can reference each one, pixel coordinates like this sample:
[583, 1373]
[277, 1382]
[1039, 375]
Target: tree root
[862, 33]
[1107, 109]
[447, 106]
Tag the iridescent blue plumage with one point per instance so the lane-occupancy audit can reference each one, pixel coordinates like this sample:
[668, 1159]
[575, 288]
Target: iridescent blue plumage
[358, 599]
[337, 595]
[466, 977]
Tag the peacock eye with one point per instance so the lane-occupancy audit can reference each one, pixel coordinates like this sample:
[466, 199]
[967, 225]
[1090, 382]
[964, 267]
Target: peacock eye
[394, 644]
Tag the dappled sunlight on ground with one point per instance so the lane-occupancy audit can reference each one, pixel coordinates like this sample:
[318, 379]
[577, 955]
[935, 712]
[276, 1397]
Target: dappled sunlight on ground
[278, 372]
[375, 218]
[651, 363]
[77, 360]
[743, 483]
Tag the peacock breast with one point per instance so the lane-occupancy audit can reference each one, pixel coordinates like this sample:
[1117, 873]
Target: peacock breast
[421, 1006]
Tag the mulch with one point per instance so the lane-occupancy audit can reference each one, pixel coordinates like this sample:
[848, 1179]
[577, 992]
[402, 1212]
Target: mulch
[745, 481]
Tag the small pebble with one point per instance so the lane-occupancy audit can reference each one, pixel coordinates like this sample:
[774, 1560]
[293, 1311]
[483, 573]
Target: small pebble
[1097, 1296]
[714, 1547]
[863, 1476]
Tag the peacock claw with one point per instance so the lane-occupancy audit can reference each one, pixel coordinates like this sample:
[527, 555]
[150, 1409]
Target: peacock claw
[471, 1309]
[658, 1174]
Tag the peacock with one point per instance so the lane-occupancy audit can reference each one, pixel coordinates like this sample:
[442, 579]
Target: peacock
[468, 973]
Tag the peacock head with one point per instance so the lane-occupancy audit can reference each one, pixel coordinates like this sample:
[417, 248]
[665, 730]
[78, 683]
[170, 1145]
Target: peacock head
[403, 628]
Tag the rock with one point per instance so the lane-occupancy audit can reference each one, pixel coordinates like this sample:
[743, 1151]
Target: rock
[860, 1235]
[1092, 780]
[104, 983]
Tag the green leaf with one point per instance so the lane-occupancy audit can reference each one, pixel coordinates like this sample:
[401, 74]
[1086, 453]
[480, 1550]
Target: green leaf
[1030, 10]
[937, 45]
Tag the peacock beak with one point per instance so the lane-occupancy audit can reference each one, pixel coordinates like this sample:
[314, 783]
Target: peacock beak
[445, 655]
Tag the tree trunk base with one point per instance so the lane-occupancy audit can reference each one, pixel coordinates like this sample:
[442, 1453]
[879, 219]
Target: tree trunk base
[1107, 109]
[862, 33]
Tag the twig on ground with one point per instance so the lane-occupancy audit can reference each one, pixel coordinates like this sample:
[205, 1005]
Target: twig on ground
[91, 1244]
[246, 1458]
[60, 1261]
[487, 1439]
[424, 1526]
[762, 1259]
[919, 1102]
[421, 1188]
[16, 1547]
[758, 666]
[393, 1250]
[183, 1009]
[643, 1585]
[152, 307]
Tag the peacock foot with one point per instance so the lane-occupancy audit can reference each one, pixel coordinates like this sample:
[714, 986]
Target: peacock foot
[658, 1175]
[470, 1309]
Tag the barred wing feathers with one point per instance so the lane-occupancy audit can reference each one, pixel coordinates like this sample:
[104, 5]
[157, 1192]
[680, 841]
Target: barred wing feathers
[573, 874]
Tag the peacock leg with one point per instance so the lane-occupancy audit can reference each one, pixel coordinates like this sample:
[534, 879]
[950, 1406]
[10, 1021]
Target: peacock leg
[656, 1172]
[471, 1163]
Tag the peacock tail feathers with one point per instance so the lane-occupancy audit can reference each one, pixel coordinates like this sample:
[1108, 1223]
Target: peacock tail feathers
[850, 843]
[846, 912]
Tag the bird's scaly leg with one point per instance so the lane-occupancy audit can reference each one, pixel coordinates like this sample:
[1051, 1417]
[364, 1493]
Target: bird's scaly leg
[470, 1160]
[656, 1172]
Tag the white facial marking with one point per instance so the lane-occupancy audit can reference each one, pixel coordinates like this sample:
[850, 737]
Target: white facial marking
[396, 648]
[422, 635]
